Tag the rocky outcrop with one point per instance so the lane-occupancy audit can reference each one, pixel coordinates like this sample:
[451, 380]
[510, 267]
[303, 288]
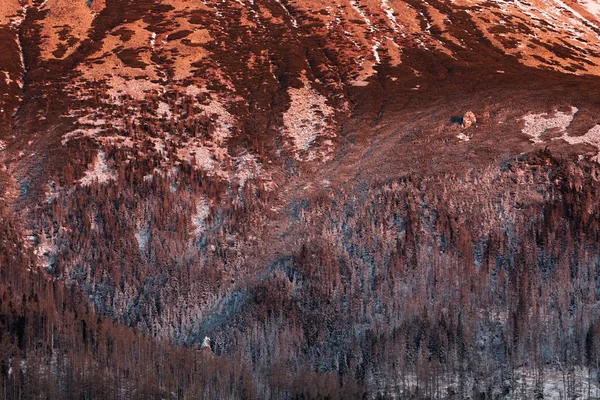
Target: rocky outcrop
[469, 119]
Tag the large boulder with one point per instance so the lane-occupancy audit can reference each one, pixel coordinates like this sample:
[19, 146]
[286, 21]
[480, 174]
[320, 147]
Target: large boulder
[469, 119]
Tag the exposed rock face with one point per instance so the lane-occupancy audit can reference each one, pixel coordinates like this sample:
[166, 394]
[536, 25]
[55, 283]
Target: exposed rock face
[469, 119]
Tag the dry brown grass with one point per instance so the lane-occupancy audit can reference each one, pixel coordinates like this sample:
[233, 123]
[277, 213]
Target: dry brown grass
[66, 23]
[8, 10]
[546, 34]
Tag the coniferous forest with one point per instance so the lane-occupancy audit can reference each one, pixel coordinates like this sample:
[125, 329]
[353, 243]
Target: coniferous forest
[299, 199]
[400, 287]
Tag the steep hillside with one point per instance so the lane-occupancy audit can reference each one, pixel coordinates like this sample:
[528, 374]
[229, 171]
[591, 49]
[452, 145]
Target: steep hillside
[349, 198]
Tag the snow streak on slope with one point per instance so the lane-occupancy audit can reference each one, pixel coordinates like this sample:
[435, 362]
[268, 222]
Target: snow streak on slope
[592, 6]
[285, 9]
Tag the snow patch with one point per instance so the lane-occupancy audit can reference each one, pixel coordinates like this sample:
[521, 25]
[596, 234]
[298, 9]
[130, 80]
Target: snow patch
[537, 124]
[389, 12]
[7, 78]
[142, 236]
[463, 138]
[247, 167]
[294, 22]
[136, 88]
[193, 90]
[21, 79]
[16, 23]
[376, 52]
[553, 385]
[592, 137]
[199, 155]
[593, 6]
[306, 117]
[52, 192]
[164, 110]
[45, 250]
[360, 12]
[79, 133]
[98, 171]
[91, 120]
[199, 217]
[224, 121]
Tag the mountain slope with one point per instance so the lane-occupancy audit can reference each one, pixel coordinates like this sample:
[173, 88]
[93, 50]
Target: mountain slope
[297, 181]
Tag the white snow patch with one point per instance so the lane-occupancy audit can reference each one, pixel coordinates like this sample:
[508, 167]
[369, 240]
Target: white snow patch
[247, 167]
[142, 236]
[199, 217]
[360, 12]
[198, 155]
[193, 90]
[98, 171]
[554, 384]
[224, 121]
[91, 120]
[389, 12]
[15, 23]
[7, 78]
[136, 88]
[592, 137]
[307, 116]
[294, 22]
[164, 110]
[463, 138]
[52, 192]
[376, 52]
[22, 61]
[537, 124]
[45, 251]
[79, 133]
[360, 83]
[593, 6]
[527, 383]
